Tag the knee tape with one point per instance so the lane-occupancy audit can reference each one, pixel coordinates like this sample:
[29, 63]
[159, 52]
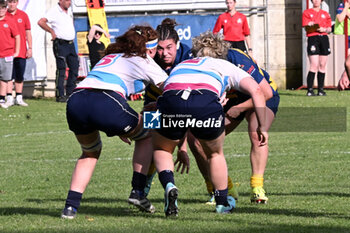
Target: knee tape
[92, 147]
[143, 133]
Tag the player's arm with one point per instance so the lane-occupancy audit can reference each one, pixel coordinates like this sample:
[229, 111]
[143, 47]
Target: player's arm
[236, 110]
[182, 159]
[249, 86]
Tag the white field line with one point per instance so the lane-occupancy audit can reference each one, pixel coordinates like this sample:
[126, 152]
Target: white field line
[57, 160]
[35, 134]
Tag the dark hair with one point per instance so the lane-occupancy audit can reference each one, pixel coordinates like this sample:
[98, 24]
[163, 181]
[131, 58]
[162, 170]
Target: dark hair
[98, 32]
[3, 3]
[133, 42]
[166, 30]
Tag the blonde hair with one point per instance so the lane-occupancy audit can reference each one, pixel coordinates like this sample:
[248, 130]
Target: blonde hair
[209, 45]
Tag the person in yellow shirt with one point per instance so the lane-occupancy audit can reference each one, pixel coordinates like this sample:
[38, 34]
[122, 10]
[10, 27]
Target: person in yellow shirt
[343, 11]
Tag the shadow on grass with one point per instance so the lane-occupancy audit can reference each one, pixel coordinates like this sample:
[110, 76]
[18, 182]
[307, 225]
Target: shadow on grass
[114, 200]
[289, 212]
[330, 194]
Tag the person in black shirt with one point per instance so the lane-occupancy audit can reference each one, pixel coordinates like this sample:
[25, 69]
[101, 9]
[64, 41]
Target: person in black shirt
[96, 47]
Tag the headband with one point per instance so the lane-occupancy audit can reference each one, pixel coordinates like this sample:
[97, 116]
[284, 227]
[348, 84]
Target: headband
[151, 44]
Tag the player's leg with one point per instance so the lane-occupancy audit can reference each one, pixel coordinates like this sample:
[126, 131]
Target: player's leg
[142, 158]
[91, 149]
[203, 166]
[218, 173]
[163, 160]
[258, 157]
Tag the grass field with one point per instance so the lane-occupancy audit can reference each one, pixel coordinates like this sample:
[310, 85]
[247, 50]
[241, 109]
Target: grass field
[307, 177]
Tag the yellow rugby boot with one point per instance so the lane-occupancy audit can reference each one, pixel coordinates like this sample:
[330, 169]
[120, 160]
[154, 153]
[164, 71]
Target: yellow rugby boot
[258, 196]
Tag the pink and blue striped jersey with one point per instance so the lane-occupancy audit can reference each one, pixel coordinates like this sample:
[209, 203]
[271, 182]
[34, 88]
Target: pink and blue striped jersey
[127, 75]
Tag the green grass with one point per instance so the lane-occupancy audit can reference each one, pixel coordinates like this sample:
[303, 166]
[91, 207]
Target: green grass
[307, 178]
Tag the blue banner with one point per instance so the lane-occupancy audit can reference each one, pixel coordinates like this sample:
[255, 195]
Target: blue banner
[189, 25]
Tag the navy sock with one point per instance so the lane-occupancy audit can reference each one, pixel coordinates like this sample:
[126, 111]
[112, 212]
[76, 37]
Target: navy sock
[221, 197]
[2, 97]
[138, 181]
[165, 177]
[73, 199]
[310, 80]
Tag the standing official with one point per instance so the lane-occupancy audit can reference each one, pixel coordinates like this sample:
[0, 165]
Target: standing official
[235, 28]
[25, 51]
[60, 17]
[317, 24]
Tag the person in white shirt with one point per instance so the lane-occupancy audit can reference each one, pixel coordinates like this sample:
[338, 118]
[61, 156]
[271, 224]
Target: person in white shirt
[99, 104]
[62, 31]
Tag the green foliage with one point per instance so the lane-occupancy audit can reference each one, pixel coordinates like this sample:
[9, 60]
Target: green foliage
[307, 177]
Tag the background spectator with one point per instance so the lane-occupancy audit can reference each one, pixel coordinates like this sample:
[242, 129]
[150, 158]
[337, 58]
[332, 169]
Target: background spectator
[60, 17]
[96, 47]
[25, 51]
[235, 27]
[317, 24]
[8, 50]
[342, 12]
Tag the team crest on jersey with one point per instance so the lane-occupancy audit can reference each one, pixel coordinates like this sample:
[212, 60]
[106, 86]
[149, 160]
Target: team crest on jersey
[240, 66]
[6, 25]
[239, 20]
[313, 48]
[225, 21]
[19, 20]
[311, 15]
[323, 16]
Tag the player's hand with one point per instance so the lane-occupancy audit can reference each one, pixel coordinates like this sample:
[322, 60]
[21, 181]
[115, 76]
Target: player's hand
[125, 139]
[343, 82]
[234, 112]
[263, 136]
[182, 161]
[223, 99]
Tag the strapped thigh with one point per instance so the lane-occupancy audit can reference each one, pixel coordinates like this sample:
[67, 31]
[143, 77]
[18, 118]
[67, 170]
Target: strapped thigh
[92, 147]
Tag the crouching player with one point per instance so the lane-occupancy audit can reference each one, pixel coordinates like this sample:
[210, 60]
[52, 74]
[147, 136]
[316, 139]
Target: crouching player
[99, 104]
[193, 92]
[238, 107]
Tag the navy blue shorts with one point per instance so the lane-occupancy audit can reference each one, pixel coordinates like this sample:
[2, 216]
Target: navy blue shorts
[90, 109]
[19, 66]
[201, 113]
[240, 98]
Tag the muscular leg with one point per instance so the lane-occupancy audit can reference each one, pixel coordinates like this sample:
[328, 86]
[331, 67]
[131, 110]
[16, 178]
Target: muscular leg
[85, 165]
[258, 154]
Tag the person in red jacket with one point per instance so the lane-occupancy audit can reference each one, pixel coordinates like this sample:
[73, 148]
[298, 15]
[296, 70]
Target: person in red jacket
[317, 24]
[235, 28]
